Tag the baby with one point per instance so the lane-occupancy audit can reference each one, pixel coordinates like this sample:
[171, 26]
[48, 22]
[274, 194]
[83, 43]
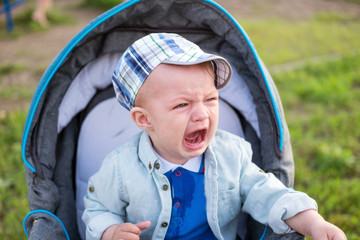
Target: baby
[181, 178]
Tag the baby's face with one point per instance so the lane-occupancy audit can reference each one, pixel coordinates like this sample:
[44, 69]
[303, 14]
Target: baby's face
[182, 103]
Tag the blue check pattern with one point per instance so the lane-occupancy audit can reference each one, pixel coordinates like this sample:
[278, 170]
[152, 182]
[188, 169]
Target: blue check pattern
[144, 55]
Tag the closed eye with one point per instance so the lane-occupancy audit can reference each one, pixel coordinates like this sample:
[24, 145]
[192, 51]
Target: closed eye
[211, 99]
[181, 105]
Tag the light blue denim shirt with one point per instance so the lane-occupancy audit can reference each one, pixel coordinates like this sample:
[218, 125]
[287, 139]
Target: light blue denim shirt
[131, 187]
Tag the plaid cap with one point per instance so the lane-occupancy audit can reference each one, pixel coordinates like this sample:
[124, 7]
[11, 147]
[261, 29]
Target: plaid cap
[144, 55]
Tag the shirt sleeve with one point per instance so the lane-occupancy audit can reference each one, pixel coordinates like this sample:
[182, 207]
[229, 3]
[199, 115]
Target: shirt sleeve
[103, 205]
[268, 200]
[288, 206]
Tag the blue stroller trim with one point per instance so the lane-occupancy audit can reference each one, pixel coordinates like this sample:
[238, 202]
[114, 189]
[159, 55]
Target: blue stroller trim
[45, 212]
[64, 53]
[264, 233]
[49, 73]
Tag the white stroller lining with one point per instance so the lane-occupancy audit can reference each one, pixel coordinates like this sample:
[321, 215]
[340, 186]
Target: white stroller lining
[97, 75]
[106, 127]
[238, 95]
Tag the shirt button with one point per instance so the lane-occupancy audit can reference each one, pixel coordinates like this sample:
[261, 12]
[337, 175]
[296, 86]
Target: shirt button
[165, 187]
[177, 204]
[178, 173]
[157, 165]
[164, 224]
[150, 165]
[91, 189]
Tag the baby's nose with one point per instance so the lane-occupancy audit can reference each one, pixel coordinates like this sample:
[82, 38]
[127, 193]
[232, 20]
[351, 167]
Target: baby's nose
[200, 113]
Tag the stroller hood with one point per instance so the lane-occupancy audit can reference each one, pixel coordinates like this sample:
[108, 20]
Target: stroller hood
[50, 135]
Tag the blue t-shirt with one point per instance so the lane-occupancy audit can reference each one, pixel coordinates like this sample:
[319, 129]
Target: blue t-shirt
[188, 214]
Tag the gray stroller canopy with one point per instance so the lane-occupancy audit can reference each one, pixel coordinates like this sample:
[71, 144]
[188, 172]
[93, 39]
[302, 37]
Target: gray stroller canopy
[50, 138]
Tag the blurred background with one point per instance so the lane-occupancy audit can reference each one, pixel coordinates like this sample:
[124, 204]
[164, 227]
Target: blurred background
[311, 48]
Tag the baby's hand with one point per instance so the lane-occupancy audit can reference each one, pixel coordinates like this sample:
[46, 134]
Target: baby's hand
[310, 223]
[328, 231]
[126, 231]
[129, 231]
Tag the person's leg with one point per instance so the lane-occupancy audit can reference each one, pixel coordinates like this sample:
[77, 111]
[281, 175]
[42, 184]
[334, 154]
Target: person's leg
[39, 14]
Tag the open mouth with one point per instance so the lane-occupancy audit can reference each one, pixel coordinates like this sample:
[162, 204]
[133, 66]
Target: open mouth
[196, 139]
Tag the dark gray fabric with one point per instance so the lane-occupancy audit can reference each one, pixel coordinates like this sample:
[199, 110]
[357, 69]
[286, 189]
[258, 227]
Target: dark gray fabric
[42, 193]
[64, 175]
[256, 231]
[45, 227]
[53, 155]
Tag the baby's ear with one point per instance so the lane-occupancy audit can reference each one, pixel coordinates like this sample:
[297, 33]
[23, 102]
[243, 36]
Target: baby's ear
[141, 118]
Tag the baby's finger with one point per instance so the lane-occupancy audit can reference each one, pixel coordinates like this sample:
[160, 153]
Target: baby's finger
[129, 228]
[125, 236]
[143, 225]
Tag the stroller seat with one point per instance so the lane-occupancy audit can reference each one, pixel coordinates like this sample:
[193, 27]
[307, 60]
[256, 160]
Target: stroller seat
[74, 119]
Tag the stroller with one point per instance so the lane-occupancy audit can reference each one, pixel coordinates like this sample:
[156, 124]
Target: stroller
[74, 119]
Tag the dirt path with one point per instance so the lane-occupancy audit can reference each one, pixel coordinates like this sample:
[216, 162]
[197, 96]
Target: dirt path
[35, 51]
[40, 48]
[289, 9]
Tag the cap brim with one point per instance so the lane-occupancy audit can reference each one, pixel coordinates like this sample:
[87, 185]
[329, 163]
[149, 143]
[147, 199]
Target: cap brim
[221, 67]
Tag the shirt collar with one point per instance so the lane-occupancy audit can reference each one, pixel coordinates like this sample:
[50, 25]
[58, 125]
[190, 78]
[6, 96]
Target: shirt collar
[146, 153]
[193, 164]
[149, 157]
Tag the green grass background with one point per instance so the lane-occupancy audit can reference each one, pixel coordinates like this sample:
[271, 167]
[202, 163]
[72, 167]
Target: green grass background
[315, 65]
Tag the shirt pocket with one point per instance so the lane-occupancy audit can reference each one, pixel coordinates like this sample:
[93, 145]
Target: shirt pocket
[229, 205]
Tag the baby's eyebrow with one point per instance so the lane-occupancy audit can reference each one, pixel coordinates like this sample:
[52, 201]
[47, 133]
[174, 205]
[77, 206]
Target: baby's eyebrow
[192, 97]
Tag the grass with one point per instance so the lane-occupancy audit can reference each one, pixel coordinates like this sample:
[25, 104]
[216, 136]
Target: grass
[13, 90]
[103, 4]
[13, 189]
[355, 1]
[281, 41]
[321, 103]
[11, 68]
[14, 93]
